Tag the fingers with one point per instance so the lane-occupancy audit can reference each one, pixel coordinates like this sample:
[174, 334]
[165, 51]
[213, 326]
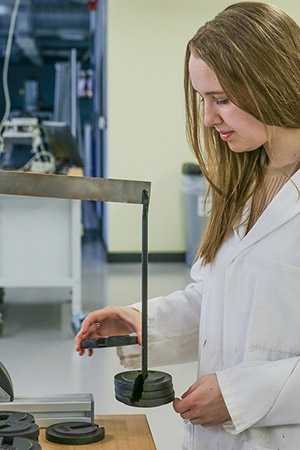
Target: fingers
[139, 337]
[133, 320]
[185, 412]
[188, 413]
[88, 329]
[109, 321]
[185, 394]
[180, 406]
[89, 325]
[192, 388]
[203, 403]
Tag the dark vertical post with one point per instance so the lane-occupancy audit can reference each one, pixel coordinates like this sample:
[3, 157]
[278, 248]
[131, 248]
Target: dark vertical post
[99, 54]
[145, 285]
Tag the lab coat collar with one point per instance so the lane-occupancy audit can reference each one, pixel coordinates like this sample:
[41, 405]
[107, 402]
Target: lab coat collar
[284, 206]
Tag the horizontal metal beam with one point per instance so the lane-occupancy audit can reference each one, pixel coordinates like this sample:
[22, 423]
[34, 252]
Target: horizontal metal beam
[81, 188]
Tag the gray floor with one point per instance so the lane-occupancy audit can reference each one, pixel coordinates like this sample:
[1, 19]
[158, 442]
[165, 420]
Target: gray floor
[37, 343]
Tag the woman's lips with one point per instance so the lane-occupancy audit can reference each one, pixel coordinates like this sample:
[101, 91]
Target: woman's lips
[225, 135]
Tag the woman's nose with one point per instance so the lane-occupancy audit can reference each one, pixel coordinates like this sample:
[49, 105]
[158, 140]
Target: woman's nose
[211, 116]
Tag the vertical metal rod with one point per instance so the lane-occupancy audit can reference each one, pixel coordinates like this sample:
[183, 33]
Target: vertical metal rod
[145, 285]
[74, 91]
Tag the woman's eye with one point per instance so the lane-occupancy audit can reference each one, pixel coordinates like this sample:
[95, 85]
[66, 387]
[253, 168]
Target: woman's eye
[221, 102]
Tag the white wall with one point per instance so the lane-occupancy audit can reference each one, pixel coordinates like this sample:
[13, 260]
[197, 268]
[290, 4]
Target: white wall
[146, 137]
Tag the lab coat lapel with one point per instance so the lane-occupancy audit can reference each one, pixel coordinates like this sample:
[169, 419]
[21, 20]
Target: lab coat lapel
[283, 207]
[241, 226]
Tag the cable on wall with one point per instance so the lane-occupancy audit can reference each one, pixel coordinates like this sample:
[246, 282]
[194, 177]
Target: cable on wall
[6, 65]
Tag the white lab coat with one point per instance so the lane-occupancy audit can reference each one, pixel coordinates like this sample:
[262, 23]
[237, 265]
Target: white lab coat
[241, 318]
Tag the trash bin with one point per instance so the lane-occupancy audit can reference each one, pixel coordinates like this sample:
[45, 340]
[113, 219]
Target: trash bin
[195, 188]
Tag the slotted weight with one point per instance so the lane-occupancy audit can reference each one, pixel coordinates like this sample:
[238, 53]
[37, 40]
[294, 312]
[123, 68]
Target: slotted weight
[18, 443]
[110, 341]
[155, 380]
[18, 424]
[155, 390]
[75, 433]
[15, 416]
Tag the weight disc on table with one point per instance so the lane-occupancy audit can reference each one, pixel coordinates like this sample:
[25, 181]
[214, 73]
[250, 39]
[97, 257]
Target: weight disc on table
[18, 424]
[75, 433]
[18, 443]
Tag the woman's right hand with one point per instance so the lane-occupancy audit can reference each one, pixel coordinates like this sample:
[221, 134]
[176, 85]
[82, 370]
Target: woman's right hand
[113, 321]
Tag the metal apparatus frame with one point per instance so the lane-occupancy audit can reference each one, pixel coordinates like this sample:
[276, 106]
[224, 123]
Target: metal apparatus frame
[97, 189]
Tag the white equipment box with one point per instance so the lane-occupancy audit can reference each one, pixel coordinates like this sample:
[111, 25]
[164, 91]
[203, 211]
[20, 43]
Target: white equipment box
[40, 241]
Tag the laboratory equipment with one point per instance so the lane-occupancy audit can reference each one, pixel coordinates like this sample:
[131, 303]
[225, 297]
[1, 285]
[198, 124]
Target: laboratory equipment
[132, 385]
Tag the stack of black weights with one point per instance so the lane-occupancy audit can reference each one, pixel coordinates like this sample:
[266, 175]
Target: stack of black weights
[133, 390]
[18, 431]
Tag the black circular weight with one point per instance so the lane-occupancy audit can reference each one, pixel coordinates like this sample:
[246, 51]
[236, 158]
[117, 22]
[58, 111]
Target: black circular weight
[18, 424]
[18, 443]
[110, 341]
[154, 382]
[16, 416]
[145, 403]
[74, 433]
[146, 395]
[155, 390]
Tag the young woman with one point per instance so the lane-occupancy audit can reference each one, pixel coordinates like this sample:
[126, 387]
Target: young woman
[241, 316]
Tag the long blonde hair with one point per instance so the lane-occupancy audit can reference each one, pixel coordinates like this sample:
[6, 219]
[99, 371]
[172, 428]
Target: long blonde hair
[254, 49]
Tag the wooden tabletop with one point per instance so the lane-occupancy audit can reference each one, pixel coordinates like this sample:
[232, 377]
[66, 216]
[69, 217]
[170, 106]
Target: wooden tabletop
[122, 432]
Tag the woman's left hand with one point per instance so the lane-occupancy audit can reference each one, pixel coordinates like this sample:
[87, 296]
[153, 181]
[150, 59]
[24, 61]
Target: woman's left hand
[203, 403]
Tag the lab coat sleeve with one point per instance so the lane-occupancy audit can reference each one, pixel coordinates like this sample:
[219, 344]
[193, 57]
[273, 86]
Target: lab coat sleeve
[261, 394]
[173, 327]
